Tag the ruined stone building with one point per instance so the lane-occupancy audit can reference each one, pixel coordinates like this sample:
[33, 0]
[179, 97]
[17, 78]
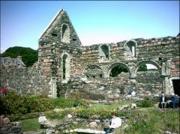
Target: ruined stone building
[67, 68]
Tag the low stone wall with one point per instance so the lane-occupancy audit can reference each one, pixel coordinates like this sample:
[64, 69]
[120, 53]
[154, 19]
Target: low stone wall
[25, 80]
[115, 87]
[153, 77]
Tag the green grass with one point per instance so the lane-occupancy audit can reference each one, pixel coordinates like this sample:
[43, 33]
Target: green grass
[146, 120]
[153, 121]
[112, 106]
[30, 125]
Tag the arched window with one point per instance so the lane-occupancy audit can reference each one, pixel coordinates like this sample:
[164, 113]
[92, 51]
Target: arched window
[65, 33]
[65, 67]
[131, 45]
[104, 52]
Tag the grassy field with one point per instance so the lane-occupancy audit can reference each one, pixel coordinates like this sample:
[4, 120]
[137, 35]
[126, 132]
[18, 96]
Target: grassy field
[150, 120]
[153, 121]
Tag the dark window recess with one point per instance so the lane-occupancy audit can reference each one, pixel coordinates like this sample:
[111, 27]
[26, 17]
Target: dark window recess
[54, 34]
[64, 66]
[176, 86]
[74, 39]
[105, 50]
[117, 69]
[64, 28]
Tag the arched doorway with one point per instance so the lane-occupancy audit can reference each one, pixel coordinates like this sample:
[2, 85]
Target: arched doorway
[119, 78]
[117, 68]
[175, 84]
[148, 78]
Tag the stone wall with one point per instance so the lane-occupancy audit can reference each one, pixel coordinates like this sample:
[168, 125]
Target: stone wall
[25, 80]
[65, 67]
[153, 51]
[146, 83]
[175, 67]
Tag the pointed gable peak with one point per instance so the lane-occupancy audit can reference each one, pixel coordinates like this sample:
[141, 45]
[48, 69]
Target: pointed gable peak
[59, 14]
[60, 29]
[62, 12]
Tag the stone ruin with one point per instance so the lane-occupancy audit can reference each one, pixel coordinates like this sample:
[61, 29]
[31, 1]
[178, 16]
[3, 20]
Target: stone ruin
[67, 68]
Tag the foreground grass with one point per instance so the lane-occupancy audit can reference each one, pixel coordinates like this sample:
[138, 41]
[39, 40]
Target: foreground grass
[149, 120]
[153, 121]
[30, 125]
[112, 106]
[140, 121]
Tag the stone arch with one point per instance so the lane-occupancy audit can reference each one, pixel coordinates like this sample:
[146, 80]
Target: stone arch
[148, 62]
[93, 71]
[104, 52]
[130, 47]
[149, 80]
[117, 64]
[65, 67]
[65, 33]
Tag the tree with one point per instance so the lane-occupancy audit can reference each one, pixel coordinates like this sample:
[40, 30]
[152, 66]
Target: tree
[29, 55]
[142, 67]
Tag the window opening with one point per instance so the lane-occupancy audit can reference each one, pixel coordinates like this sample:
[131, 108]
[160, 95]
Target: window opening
[132, 48]
[64, 66]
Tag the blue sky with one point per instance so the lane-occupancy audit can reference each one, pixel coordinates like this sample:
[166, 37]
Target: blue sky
[23, 22]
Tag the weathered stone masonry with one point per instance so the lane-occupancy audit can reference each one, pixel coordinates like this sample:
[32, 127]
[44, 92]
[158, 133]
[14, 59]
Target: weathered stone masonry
[65, 67]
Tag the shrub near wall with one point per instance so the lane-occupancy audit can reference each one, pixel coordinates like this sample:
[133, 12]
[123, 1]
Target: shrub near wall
[146, 102]
[13, 103]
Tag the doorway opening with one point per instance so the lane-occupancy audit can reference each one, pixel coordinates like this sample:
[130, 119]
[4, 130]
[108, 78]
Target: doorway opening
[176, 86]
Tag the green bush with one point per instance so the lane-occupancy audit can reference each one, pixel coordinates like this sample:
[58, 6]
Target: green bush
[13, 103]
[146, 102]
[55, 115]
[38, 104]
